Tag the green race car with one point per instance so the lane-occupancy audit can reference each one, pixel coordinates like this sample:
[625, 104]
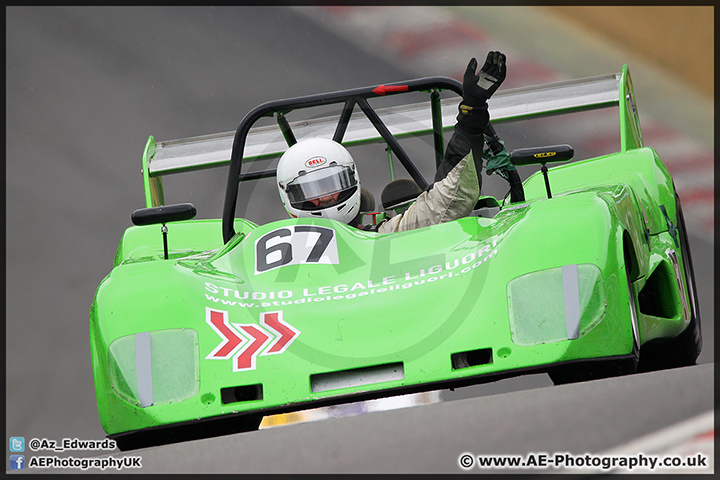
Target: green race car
[205, 326]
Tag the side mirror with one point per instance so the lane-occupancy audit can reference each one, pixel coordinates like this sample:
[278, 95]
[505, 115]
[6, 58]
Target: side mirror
[164, 214]
[541, 155]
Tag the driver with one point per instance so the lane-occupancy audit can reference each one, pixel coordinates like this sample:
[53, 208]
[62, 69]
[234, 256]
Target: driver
[318, 178]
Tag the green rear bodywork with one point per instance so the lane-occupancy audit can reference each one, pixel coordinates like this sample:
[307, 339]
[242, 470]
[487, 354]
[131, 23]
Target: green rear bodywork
[401, 306]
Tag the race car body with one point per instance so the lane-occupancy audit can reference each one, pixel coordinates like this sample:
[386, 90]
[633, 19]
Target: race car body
[229, 320]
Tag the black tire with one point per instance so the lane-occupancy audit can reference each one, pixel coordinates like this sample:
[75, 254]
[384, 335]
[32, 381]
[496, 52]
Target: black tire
[597, 369]
[683, 350]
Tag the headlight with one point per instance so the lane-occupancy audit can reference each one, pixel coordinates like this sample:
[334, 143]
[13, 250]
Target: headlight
[556, 304]
[153, 368]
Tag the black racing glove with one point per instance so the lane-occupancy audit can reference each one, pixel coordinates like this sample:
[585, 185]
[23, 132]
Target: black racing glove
[477, 89]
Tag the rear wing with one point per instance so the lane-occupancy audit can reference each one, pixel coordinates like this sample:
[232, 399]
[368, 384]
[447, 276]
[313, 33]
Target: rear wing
[433, 117]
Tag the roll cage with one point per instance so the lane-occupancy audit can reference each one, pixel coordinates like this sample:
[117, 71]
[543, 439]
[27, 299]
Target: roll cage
[249, 142]
[349, 99]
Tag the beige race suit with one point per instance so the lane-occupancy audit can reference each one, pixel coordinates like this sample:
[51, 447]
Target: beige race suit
[452, 195]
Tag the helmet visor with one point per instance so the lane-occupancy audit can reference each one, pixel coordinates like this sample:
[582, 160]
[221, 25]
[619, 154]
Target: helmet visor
[311, 190]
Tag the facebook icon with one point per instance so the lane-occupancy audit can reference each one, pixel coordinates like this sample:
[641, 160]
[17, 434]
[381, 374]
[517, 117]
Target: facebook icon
[17, 462]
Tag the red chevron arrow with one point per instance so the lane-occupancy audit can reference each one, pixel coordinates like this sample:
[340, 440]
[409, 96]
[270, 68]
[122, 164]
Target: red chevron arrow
[287, 333]
[244, 342]
[383, 89]
[245, 358]
[218, 320]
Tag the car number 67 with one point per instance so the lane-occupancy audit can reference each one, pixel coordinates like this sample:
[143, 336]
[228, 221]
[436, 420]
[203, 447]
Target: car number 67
[295, 245]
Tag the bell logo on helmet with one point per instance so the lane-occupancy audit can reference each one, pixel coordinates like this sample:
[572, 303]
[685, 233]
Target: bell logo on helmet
[315, 162]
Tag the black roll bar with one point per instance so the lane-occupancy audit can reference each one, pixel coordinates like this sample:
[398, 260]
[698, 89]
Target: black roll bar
[350, 98]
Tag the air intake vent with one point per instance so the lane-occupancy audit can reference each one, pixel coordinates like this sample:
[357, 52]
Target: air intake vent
[471, 358]
[242, 393]
[323, 382]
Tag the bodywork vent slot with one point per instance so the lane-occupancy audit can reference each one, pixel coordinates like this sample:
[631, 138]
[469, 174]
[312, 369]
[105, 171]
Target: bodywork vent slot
[471, 358]
[658, 297]
[322, 382]
[241, 393]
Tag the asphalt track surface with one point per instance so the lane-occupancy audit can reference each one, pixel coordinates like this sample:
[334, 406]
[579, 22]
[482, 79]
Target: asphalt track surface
[85, 88]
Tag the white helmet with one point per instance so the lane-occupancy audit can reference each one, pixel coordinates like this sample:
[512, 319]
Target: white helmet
[317, 178]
